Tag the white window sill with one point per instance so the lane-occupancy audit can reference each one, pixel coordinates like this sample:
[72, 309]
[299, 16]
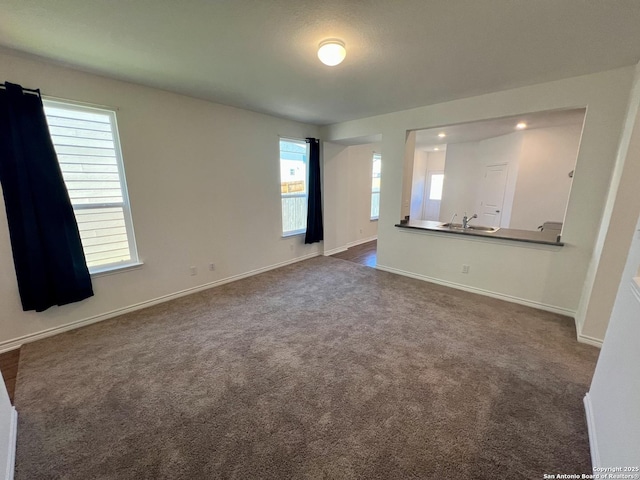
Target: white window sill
[293, 234]
[374, 219]
[113, 269]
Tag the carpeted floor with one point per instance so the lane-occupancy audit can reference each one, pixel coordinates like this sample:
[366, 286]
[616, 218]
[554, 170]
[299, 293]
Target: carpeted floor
[322, 369]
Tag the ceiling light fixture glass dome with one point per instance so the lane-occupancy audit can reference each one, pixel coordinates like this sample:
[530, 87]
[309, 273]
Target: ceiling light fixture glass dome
[332, 52]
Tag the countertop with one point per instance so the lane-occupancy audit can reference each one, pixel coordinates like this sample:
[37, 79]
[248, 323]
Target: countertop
[549, 237]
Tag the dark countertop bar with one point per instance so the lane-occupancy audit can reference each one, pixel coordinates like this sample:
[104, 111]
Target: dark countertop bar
[549, 237]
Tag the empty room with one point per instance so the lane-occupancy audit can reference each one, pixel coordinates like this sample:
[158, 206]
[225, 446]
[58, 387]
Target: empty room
[319, 240]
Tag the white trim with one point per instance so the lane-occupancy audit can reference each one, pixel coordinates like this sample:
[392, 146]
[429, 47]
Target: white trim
[635, 288]
[333, 251]
[112, 270]
[293, 233]
[596, 342]
[591, 428]
[361, 241]
[487, 293]
[344, 248]
[119, 161]
[13, 436]
[79, 103]
[32, 337]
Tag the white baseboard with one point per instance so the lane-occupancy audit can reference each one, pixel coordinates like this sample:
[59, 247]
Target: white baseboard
[11, 454]
[480, 291]
[591, 428]
[596, 342]
[333, 251]
[32, 337]
[361, 241]
[344, 248]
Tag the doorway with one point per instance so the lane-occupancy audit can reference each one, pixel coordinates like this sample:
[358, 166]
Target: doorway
[491, 194]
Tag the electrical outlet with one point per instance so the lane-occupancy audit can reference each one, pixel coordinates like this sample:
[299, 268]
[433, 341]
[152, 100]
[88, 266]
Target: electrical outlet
[291, 247]
[465, 268]
[212, 266]
[193, 270]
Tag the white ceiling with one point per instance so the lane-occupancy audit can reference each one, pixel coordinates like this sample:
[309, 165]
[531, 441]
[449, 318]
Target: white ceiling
[261, 55]
[428, 139]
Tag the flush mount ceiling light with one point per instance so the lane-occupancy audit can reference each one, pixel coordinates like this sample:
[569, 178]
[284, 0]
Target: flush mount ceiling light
[521, 126]
[442, 135]
[332, 52]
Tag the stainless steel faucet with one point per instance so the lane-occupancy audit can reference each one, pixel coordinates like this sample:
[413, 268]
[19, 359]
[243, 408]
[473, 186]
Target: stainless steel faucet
[466, 220]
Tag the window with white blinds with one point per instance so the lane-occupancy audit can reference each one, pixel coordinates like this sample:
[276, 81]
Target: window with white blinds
[294, 191]
[375, 186]
[88, 149]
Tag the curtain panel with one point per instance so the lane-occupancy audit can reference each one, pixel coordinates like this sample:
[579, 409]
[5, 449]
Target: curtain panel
[47, 251]
[314, 206]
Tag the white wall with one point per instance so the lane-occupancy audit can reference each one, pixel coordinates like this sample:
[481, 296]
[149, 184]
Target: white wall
[360, 163]
[347, 174]
[538, 184]
[615, 232]
[204, 187]
[543, 186]
[460, 186]
[408, 157]
[424, 162]
[335, 198]
[464, 168]
[7, 433]
[545, 276]
[436, 161]
[505, 149]
[418, 182]
[613, 401]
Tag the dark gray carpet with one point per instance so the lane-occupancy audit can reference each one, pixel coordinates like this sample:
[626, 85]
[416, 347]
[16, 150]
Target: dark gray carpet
[322, 369]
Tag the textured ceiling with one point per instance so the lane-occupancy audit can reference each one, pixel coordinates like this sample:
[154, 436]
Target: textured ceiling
[261, 54]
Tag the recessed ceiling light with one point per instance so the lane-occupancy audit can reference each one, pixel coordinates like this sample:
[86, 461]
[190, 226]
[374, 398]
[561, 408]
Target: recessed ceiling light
[521, 126]
[332, 52]
[436, 149]
[442, 134]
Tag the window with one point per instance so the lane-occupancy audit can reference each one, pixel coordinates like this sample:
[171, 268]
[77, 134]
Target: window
[88, 149]
[436, 181]
[294, 156]
[375, 186]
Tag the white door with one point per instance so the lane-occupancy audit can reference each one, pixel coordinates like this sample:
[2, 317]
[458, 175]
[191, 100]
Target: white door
[492, 188]
[433, 195]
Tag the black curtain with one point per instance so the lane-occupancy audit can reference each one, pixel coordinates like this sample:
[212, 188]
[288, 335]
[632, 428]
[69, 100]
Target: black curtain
[315, 231]
[47, 252]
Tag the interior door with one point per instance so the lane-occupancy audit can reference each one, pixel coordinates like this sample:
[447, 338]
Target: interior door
[492, 190]
[433, 195]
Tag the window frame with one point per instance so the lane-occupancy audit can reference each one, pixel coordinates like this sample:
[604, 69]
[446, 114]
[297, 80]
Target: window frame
[303, 231]
[374, 157]
[430, 175]
[134, 259]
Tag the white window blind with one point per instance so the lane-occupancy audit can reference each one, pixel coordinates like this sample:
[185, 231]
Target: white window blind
[375, 186]
[88, 150]
[294, 157]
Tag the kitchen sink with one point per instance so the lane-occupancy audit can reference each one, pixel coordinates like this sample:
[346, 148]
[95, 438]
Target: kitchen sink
[470, 228]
